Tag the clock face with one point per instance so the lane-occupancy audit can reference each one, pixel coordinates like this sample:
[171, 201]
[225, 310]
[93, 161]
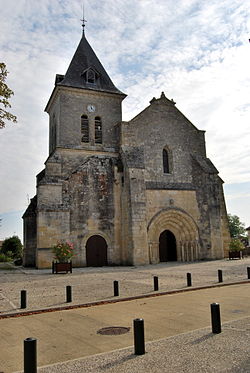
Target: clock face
[91, 108]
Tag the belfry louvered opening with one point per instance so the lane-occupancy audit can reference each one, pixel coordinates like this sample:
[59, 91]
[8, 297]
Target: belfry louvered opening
[98, 130]
[85, 128]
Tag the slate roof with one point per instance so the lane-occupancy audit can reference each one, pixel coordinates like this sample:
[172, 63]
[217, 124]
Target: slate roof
[32, 208]
[83, 59]
[205, 164]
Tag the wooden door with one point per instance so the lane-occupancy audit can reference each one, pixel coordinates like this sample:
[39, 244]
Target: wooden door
[96, 251]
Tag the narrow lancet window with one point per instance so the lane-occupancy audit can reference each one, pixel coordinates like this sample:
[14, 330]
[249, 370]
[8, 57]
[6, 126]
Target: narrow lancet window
[85, 128]
[166, 168]
[54, 136]
[98, 130]
[52, 144]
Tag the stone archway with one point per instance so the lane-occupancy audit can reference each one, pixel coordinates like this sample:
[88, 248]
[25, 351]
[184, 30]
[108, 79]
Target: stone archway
[96, 251]
[167, 247]
[184, 229]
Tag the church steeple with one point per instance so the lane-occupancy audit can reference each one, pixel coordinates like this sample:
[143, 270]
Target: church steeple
[86, 71]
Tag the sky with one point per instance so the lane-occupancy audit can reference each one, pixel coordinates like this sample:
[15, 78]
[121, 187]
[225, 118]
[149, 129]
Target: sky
[196, 51]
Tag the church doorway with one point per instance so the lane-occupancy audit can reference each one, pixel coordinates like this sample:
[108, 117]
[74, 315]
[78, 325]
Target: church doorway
[167, 247]
[96, 251]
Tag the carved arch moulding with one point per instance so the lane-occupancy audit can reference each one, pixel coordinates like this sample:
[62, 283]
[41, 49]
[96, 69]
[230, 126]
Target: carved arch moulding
[183, 227]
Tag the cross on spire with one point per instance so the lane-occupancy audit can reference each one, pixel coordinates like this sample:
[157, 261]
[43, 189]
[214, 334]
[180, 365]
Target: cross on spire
[83, 19]
[83, 23]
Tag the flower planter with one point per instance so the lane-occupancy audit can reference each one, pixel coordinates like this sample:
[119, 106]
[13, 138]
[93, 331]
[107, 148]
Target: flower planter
[63, 252]
[235, 254]
[61, 267]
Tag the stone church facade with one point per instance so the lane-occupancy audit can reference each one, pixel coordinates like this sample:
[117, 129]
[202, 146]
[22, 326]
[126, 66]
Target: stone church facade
[124, 193]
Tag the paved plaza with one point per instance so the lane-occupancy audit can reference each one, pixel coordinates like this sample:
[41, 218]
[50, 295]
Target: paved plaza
[177, 326]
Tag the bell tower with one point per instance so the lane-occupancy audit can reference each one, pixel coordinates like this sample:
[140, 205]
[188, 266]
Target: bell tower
[76, 193]
[84, 105]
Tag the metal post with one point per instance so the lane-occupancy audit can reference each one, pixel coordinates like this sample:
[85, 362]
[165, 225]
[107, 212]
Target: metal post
[30, 355]
[248, 272]
[116, 289]
[156, 283]
[189, 279]
[215, 318]
[139, 341]
[68, 294]
[23, 299]
[220, 278]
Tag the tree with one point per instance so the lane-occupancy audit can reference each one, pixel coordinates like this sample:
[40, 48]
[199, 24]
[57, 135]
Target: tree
[5, 94]
[12, 245]
[236, 227]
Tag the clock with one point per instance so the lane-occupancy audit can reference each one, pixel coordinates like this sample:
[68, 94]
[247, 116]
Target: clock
[91, 108]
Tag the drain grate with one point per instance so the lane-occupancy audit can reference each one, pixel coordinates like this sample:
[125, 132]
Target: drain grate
[114, 330]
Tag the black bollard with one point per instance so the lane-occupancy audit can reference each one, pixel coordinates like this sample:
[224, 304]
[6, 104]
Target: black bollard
[220, 278]
[215, 318]
[139, 342]
[156, 283]
[30, 355]
[116, 289]
[23, 299]
[248, 272]
[68, 294]
[189, 279]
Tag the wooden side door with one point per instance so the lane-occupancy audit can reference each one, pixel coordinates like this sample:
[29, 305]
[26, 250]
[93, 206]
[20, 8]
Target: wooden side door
[96, 251]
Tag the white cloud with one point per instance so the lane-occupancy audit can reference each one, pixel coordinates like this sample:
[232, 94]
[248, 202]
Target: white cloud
[196, 51]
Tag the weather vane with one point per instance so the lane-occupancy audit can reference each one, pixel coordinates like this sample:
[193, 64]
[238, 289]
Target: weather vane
[83, 19]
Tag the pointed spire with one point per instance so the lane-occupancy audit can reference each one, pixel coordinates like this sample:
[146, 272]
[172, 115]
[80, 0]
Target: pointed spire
[85, 63]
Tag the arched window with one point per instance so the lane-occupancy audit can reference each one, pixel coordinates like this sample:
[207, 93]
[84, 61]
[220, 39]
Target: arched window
[91, 76]
[85, 128]
[98, 130]
[166, 167]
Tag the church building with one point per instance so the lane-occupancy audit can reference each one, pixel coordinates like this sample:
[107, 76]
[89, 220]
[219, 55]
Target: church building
[124, 193]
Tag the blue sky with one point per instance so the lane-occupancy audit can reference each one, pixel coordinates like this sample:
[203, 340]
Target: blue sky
[196, 51]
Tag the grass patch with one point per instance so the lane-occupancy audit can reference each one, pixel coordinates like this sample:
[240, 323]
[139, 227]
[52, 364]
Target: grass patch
[7, 266]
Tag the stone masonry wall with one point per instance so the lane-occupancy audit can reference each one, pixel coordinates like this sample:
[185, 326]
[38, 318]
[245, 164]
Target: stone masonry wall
[89, 194]
[73, 104]
[161, 125]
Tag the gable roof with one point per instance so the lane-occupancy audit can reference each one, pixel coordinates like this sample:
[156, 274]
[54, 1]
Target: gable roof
[169, 107]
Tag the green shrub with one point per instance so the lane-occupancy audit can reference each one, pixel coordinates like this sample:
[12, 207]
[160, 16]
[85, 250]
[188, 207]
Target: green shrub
[236, 245]
[4, 258]
[13, 247]
[9, 254]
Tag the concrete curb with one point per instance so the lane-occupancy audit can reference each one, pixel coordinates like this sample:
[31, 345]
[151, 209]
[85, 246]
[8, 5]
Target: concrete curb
[111, 301]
